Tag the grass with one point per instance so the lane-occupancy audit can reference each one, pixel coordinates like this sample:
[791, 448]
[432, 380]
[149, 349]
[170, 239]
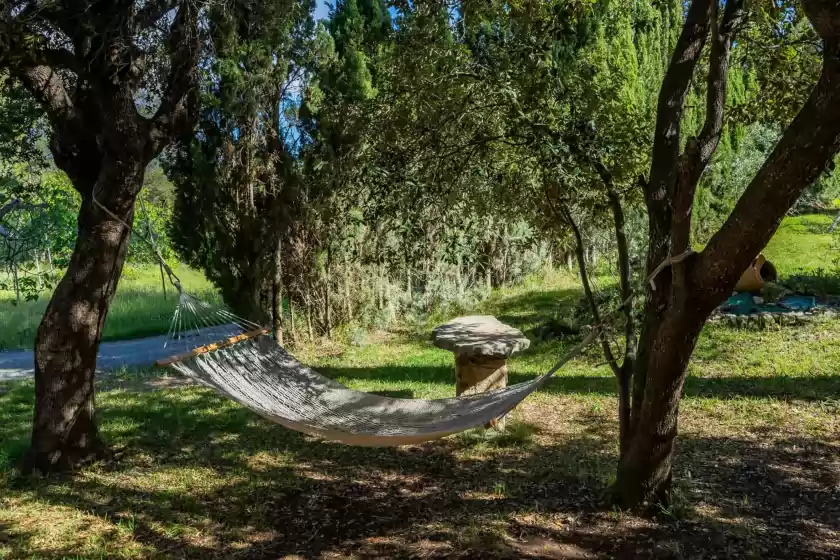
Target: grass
[803, 244]
[197, 476]
[139, 308]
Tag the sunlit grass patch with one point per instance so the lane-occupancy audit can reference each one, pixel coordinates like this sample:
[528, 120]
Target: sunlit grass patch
[139, 308]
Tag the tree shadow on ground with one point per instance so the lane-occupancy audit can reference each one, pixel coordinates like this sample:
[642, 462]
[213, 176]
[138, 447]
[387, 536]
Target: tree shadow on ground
[779, 386]
[272, 492]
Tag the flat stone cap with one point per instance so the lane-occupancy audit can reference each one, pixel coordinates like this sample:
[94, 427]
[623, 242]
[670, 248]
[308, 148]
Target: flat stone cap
[480, 335]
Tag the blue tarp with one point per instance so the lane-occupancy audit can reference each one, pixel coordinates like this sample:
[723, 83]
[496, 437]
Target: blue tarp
[743, 304]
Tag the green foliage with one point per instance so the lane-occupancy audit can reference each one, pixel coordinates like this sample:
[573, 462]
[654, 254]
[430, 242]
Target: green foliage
[741, 153]
[237, 178]
[22, 127]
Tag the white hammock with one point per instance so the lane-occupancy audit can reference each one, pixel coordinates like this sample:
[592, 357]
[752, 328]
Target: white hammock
[260, 375]
[257, 373]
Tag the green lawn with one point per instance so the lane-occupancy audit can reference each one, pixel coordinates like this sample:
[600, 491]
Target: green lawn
[802, 243]
[139, 308]
[197, 476]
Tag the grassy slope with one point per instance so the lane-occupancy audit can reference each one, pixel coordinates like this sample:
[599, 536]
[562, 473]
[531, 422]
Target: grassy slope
[802, 243]
[199, 476]
[139, 308]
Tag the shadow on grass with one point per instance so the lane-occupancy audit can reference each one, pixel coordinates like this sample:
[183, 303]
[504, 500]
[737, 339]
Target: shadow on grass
[260, 491]
[526, 310]
[783, 387]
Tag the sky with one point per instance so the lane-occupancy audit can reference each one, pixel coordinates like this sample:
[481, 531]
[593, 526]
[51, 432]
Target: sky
[321, 9]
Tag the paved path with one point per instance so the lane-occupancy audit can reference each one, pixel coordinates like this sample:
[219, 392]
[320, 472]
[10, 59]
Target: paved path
[113, 355]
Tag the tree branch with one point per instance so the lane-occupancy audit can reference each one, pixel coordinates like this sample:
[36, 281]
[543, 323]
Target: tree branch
[699, 150]
[587, 288]
[806, 148]
[48, 89]
[723, 34]
[179, 104]
[624, 278]
[675, 84]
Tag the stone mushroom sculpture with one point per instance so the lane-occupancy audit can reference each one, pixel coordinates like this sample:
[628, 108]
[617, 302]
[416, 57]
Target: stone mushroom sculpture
[482, 345]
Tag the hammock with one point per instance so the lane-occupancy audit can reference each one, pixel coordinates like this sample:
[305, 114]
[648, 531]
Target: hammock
[248, 367]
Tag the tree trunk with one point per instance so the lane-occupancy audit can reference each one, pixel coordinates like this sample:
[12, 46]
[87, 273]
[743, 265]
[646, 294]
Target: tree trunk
[677, 308]
[162, 281]
[644, 472]
[834, 223]
[327, 300]
[64, 432]
[277, 294]
[292, 331]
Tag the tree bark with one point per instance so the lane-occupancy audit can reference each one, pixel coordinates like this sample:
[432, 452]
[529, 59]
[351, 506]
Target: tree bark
[644, 472]
[625, 372]
[658, 187]
[277, 294]
[101, 141]
[64, 432]
[682, 300]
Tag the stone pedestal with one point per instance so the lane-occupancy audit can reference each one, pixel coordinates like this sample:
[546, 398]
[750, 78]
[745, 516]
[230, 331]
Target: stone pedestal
[477, 375]
[481, 344]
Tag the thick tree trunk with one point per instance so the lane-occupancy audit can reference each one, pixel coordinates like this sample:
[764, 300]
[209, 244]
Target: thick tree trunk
[64, 430]
[685, 296]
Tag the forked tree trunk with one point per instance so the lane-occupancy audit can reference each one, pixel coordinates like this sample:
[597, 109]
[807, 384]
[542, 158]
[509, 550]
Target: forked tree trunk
[686, 293]
[101, 141]
[64, 431]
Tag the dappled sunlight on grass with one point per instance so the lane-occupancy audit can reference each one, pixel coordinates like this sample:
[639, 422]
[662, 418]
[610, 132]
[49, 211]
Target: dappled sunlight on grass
[197, 476]
[200, 477]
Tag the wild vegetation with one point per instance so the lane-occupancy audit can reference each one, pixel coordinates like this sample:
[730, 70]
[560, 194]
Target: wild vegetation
[398, 160]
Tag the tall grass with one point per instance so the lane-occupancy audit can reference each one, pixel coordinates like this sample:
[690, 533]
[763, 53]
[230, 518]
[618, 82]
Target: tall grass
[139, 308]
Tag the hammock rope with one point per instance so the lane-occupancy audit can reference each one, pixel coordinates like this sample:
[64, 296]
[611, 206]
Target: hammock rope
[235, 357]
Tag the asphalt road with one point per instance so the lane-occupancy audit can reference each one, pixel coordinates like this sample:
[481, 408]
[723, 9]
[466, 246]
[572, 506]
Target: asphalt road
[19, 364]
